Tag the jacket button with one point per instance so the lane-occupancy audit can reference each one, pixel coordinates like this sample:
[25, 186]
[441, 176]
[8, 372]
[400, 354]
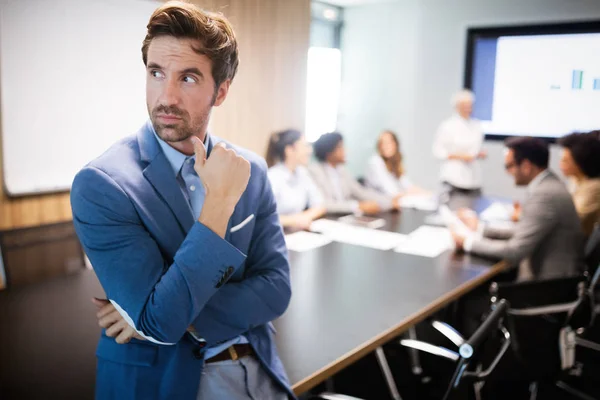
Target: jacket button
[220, 283]
[197, 354]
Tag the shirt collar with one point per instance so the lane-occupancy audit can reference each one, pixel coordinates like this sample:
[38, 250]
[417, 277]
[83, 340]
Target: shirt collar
[175, 157]
[285, 171]
[536, 181]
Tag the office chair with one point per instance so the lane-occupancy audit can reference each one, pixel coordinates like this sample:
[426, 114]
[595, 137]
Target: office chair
[592, 251]
[468, 368]
[334, 396]
[387, 374]
[469, 362]
[581, 331]
[538, 313]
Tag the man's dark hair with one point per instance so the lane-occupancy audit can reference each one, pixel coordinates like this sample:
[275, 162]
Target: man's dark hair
[326, 144]
[527, 148]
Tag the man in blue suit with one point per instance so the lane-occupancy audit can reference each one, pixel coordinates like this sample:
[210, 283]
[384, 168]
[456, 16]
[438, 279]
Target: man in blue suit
[182, 231]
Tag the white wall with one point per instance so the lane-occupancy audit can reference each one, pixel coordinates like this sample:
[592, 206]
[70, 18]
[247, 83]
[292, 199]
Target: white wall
[402, 62]
[378, 71]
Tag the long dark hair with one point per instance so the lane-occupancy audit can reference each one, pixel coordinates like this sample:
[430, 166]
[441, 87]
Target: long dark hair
[393, 163]
[277, 144]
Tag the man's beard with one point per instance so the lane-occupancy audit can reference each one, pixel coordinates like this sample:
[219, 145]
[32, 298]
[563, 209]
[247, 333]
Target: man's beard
[184, 129]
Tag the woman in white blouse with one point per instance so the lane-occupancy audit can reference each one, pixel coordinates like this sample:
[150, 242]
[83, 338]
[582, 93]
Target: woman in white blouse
[385, 171]
[299, 201]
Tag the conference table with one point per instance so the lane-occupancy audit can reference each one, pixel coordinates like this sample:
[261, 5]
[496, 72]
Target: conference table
[347, 300]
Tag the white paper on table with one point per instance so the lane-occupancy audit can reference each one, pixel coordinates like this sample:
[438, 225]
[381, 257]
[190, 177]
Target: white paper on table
[355, 235]
[427, 241]
[363, 221]
[421, 202]
[497, 212]
[304, 241]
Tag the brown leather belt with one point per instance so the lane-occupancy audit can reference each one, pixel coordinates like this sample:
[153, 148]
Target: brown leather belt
[234, 352]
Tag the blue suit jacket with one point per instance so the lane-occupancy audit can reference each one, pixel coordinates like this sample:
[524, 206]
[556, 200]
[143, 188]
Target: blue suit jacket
[168, 272]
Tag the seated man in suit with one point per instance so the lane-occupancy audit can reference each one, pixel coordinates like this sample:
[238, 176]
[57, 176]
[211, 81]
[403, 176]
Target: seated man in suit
[342, 193]
[182, 231]
[547, 241]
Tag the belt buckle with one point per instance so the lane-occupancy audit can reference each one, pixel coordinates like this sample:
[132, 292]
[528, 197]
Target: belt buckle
[234, 355]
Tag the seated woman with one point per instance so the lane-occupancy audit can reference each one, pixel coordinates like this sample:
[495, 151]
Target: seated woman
[299, 201]
[342, 192]
[580, 161]
[385, 172]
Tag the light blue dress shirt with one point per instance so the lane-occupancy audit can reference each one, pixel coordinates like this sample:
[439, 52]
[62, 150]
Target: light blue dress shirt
[294, 191]
[194, 192]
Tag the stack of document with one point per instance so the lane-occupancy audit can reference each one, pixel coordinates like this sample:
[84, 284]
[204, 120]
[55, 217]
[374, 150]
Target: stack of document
[304, 241]
[358, 236]
[427, 241]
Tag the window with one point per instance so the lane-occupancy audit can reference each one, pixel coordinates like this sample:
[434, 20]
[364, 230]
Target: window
[324, 72]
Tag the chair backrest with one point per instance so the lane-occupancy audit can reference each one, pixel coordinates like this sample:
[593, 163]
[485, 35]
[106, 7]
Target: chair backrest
[471, 366]
[538, 293]
[592, 251]
[538, 311]
[38, 253]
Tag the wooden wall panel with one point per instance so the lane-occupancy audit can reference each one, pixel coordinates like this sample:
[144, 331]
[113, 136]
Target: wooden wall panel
[267, 94]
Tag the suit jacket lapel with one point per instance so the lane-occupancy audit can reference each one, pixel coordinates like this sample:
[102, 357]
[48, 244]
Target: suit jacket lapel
[159, 174]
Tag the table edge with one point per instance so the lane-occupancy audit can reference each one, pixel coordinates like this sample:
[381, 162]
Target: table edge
[384, 337]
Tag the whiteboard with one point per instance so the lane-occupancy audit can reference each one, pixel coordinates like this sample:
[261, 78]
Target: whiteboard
[72, 82]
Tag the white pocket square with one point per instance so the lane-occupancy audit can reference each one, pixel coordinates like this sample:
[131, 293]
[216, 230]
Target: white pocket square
[242, 224]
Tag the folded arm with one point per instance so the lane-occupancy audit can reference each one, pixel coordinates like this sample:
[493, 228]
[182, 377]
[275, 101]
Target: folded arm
[538, 220]
[264, 293]
[159, 300]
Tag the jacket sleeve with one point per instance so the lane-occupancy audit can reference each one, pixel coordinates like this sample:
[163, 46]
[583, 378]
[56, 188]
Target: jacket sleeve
[159, 300]
[264, 293]
[538, 220]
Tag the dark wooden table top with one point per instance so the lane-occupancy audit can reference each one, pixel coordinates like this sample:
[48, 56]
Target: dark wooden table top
[347, 300]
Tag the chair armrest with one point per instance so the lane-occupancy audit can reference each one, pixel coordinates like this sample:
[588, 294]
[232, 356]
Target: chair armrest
[431, 349]
[449, 332]
[336, 396]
